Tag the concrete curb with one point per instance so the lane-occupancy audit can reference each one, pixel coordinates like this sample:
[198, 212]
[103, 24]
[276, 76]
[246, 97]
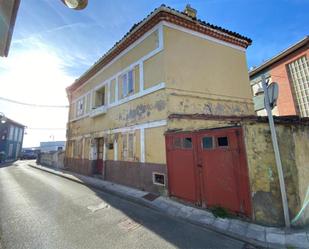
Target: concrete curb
[269, 237]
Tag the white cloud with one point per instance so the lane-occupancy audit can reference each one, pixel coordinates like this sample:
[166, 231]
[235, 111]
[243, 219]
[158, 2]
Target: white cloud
[35, 75]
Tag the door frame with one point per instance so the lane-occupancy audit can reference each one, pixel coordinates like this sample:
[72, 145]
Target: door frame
[100, 168]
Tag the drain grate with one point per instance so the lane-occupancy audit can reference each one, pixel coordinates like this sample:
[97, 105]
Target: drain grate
[128, 224]
[150, 196]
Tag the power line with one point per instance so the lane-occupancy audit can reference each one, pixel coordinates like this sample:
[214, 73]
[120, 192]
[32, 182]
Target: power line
[33, 105]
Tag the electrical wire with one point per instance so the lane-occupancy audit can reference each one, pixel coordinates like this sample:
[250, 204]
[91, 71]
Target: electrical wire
[32, 105]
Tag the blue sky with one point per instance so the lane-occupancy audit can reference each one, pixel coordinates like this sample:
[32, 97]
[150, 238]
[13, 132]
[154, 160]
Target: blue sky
[52, 45]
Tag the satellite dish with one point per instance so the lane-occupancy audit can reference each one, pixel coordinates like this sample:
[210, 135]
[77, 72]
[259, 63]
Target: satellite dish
[75, 4]
[273, 93]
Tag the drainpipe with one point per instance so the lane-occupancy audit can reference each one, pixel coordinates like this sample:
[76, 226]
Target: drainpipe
[277, 153]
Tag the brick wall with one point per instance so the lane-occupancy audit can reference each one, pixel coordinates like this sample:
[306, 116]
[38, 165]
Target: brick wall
[287, 105]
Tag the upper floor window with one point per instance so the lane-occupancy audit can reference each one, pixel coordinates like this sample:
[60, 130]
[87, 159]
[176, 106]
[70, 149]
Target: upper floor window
[127, 81]
[11, 133]
[80, 107]
[100, 97]
[16, 131]
[20, 136]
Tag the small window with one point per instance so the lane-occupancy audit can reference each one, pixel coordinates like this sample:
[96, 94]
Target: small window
[100, 97]
[110, 146]
[127, 83]
[158, 178]
[80, 107]
[187, 143]
[222, 142]
[177, 142]
[207, 143]
[128, 146]
[131, 146]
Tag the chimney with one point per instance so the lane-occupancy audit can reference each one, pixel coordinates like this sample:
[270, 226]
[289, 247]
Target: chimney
[190, 11]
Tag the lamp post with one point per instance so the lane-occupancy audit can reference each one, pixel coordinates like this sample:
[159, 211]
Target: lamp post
[2, 118]
[75, 4]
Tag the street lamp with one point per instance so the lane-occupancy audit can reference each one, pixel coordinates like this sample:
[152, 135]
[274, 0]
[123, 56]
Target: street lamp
[3, 118]
[75, 4]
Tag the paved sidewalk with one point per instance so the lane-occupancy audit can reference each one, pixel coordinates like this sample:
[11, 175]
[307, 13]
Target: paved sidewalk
[270, 237]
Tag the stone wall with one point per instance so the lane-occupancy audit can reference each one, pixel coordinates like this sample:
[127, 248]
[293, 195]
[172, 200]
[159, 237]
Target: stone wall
[264, 182]
[52, 159]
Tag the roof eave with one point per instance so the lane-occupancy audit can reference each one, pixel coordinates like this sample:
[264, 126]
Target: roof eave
[279, 56]
[246, 41]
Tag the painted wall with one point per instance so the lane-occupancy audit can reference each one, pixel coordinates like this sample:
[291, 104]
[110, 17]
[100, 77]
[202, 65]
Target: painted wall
[263, 178]
[194, 75]
[197, 65]
[266, 197]
[149, 44]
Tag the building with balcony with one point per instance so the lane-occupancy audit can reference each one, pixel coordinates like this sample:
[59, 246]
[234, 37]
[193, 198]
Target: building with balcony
[168, 63]
[290, 69]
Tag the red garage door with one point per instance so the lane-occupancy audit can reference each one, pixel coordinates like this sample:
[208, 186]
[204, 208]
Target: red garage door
[181, 174]
[209, 168]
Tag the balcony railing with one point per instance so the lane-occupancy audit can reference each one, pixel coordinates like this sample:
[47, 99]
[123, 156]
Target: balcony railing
[99, 110]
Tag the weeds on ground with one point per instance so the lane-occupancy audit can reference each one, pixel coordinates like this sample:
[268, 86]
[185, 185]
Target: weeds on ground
[220, 212]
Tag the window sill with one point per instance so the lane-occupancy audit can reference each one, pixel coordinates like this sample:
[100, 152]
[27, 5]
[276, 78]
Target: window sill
[100, 110]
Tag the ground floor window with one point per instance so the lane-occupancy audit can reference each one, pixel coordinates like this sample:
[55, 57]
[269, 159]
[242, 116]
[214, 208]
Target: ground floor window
[128, 147]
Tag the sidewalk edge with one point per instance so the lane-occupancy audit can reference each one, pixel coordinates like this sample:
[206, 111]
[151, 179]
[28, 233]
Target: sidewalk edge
[68, 175]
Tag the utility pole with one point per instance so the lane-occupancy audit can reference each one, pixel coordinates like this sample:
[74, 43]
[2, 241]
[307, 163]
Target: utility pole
[277, 153]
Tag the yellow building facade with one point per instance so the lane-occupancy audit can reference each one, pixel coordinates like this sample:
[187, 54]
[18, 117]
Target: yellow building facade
[119, 109]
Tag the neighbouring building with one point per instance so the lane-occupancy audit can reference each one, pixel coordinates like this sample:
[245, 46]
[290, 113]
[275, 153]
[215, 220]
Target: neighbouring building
[169, 110]
[290, 69]
[8, 13]
[11, 139]
[52, 146]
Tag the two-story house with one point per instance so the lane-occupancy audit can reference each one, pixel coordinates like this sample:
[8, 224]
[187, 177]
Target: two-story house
[120, 109]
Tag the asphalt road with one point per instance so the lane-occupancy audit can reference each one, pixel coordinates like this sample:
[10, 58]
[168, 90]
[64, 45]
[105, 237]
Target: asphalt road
[40, 210]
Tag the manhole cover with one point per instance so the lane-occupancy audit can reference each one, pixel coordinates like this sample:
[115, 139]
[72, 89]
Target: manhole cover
[128, 224]
[100, 206]
[150, 196]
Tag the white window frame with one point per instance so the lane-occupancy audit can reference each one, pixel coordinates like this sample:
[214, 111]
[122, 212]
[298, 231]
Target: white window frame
[95, 96]
[16, 133]
[20, 134]
[128, 86]
[154, 178]
[126, 151]
[80, 107]
[11, 133]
